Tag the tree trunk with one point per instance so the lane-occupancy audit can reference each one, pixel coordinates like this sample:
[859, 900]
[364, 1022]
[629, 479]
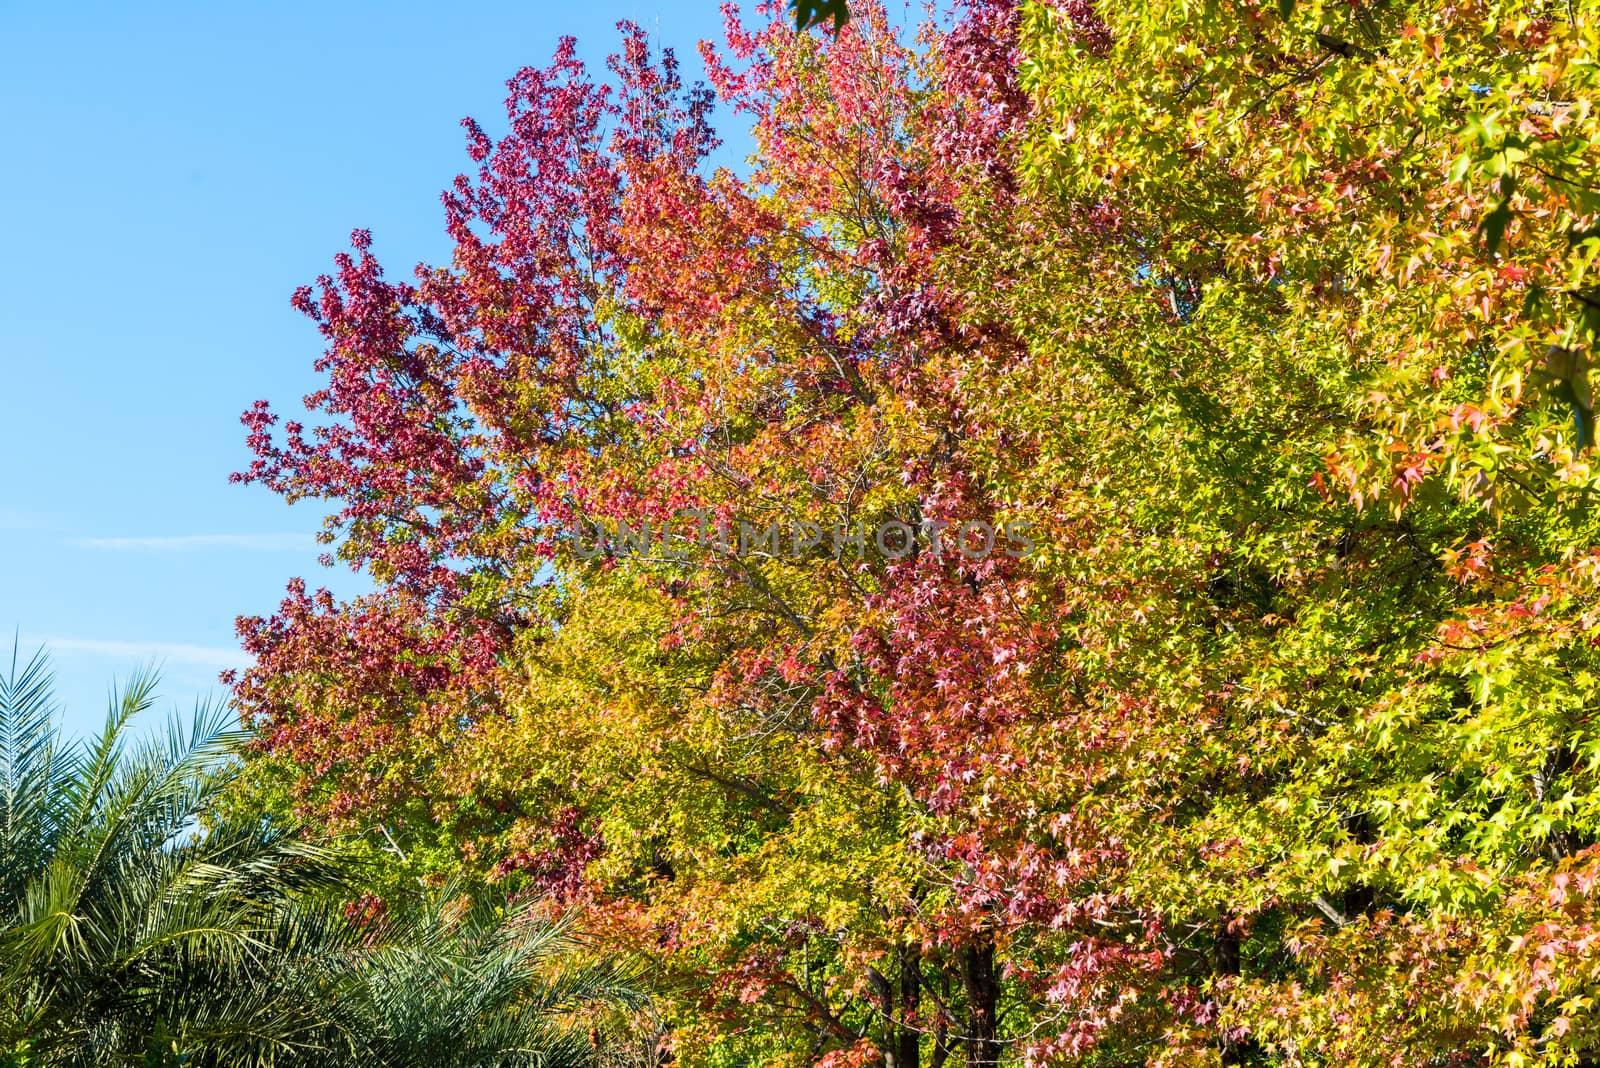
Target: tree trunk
[982, 984]
[910, 1038]
[941, 1034]
[884, 996]
[902, 1047]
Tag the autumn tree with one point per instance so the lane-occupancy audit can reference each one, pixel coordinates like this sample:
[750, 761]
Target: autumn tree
[1269, 325]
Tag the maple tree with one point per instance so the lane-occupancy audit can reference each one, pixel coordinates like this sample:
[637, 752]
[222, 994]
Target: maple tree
[1270, 324]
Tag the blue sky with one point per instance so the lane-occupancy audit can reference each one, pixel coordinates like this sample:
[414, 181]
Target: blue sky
[171, 173]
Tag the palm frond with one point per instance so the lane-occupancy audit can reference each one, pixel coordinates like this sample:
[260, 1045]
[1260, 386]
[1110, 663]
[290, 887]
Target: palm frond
[30, 772]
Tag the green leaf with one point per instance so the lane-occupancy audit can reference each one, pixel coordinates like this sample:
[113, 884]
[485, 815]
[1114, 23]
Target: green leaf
[809, 13]
[1494, 224]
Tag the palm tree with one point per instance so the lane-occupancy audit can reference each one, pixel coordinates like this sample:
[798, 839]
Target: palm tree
[120, 920]
[139, 926]
[459, 983]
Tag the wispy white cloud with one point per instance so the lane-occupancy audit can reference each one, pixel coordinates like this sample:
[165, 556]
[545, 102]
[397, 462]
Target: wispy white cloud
[211, 656]
[179, 542]
[15, 519]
